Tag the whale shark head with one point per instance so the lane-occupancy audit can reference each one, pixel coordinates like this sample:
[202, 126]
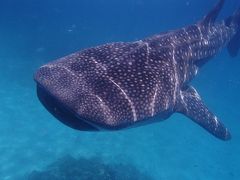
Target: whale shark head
[107, 87]
[78, 91]
[76, 103]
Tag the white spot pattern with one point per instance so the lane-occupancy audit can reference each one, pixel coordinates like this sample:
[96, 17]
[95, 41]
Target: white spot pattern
[117, 84]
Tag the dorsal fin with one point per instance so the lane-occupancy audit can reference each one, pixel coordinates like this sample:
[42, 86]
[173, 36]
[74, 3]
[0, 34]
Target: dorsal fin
[234, 44]
[213, 14]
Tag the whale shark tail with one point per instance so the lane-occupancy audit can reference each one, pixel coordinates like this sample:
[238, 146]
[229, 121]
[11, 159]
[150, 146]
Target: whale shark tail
[233, 22]
[234, 44]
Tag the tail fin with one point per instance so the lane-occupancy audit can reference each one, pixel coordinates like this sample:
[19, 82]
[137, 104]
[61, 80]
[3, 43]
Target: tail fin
[234, 22]
[211, 17]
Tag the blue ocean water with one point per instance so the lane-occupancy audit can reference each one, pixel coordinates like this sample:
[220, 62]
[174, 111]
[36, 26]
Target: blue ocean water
[35, 32]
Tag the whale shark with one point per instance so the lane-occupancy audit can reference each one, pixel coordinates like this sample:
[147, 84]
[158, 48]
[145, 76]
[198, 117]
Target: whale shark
[128, 84]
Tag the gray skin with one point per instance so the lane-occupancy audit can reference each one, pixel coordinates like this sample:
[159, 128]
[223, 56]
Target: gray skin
[126, 84]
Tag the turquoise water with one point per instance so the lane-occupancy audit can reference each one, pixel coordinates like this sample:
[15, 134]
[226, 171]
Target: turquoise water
[35, 32]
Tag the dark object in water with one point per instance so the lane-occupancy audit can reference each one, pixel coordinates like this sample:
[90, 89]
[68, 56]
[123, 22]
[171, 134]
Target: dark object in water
[68, 168]
[125, 84]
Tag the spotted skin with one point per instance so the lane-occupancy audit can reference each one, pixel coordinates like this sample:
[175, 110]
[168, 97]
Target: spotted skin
[125, 84]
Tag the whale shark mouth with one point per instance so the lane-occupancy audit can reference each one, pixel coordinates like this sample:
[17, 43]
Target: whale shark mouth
[63, 113]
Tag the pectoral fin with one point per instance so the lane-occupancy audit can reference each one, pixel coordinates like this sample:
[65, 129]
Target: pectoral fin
[192, 106]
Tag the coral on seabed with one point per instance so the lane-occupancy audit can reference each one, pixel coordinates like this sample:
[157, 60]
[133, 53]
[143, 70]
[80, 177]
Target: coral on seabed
[69, 168]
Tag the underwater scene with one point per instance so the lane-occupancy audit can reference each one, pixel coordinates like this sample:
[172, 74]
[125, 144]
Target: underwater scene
[161, 103]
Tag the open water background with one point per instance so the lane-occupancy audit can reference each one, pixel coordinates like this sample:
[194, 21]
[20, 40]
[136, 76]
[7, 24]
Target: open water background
[34, 32]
